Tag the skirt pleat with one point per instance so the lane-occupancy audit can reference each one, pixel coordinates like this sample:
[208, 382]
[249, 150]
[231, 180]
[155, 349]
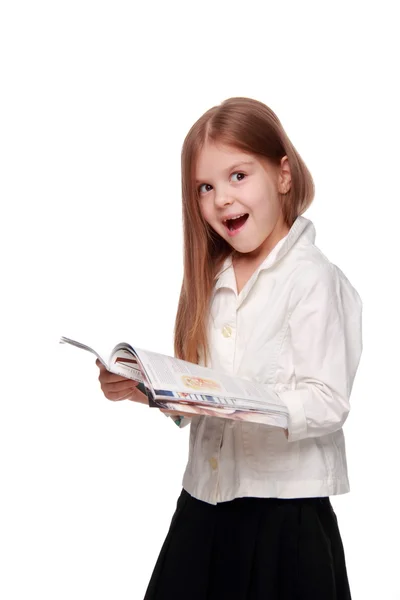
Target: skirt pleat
[251, 549]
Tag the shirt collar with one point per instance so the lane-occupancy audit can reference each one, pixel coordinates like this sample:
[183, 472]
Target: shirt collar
[302, 229]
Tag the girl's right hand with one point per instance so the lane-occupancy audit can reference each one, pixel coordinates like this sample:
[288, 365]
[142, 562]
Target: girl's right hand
[115, 387]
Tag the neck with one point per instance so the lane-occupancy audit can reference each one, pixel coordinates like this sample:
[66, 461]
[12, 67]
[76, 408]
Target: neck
[255, 258]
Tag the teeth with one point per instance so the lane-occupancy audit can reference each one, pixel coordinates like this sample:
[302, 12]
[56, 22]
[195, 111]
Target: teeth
[233, 218]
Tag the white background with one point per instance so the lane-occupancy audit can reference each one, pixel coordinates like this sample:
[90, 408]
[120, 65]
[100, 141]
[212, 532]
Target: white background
[96, 99]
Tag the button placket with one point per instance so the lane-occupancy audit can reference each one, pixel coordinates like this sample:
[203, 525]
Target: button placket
[214, 460]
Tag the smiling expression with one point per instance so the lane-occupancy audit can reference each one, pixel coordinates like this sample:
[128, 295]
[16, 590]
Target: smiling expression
[239, 198]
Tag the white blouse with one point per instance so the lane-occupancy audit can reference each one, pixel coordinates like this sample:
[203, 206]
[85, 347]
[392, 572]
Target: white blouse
[296, 328]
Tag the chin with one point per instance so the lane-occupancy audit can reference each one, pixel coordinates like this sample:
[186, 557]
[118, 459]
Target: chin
[245, 248]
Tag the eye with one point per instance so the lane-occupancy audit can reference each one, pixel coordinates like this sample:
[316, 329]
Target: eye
[239, 173]
[243, 175]
[200, 186]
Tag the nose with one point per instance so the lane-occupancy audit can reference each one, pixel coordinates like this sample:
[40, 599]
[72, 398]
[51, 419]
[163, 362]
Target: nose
[223, 199]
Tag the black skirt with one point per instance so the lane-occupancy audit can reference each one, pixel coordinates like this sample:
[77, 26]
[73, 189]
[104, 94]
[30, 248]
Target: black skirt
[251, 549]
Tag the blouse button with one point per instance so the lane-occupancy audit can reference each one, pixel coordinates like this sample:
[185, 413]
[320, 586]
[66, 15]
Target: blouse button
[226, 331]
[213, 463]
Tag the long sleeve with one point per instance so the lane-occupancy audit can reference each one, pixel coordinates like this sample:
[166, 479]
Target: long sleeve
[324, 342]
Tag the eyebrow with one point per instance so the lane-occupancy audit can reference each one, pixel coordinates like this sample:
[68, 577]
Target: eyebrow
[235, 166]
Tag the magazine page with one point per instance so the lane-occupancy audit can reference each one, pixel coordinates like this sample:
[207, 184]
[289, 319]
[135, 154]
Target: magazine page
[124, 362]
[272, 419]
[177, 384]
[65, 340]
[180, 379]
[218, 401]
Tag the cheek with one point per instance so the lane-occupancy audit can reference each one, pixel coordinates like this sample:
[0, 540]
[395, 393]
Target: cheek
[206, 212]
[267, 208]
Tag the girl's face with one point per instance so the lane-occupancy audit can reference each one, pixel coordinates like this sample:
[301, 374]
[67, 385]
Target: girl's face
[239, 198]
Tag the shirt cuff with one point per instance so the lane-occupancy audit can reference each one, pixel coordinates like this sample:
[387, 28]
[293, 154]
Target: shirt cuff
[297, 426]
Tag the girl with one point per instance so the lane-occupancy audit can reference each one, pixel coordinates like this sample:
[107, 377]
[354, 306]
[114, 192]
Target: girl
[259, 300]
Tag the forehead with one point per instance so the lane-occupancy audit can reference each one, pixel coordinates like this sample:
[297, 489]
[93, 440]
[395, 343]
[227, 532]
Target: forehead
[215, 159]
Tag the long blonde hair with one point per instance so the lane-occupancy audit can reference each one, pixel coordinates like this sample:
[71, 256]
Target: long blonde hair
[252, 127]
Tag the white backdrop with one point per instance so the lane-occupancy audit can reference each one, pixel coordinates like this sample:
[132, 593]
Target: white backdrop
[96, 100]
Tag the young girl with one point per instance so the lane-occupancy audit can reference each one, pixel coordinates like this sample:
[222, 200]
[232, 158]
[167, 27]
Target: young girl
[259, 300]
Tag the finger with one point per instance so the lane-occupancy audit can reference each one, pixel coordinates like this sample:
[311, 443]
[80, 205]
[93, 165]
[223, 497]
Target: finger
[100, 365]
[128, 395]
[117, 396]
[138, 396]
[121, 386]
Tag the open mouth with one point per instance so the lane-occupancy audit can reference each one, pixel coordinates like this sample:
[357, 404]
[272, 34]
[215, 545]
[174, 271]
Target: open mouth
[236, 223]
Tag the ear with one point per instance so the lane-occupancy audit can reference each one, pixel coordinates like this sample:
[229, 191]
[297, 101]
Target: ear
[284, 177]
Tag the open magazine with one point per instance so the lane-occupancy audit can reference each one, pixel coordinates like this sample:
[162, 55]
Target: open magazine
[175, 384]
